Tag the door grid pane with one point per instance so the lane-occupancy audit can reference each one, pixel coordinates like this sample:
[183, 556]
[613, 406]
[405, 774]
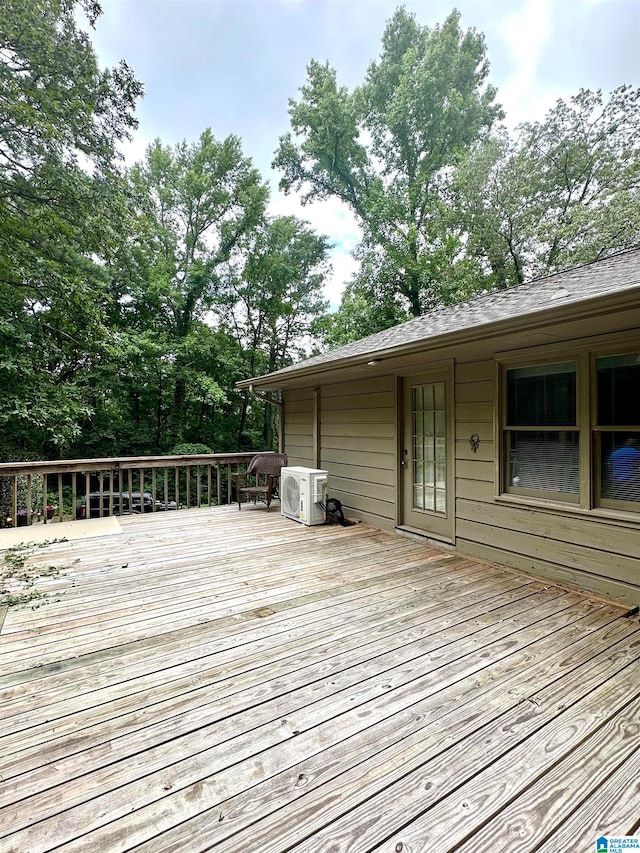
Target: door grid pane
[429, 446]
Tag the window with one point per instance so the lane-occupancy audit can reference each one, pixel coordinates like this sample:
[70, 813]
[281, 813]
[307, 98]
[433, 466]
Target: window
[542, 437]
[563, 445]
[617, 431]
[429, 447]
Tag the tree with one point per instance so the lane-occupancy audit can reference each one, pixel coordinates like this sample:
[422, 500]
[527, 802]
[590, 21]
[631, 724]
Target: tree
[197, 205]
[566, 191]
[388, 149]
[271, 302]
[61, 119]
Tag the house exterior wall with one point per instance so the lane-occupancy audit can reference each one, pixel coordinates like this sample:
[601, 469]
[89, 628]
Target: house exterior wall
[358, 447]
[298, 427]
[596, 554]
[356, 430]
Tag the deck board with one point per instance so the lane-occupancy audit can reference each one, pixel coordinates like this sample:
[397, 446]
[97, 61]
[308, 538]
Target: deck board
[215, 678]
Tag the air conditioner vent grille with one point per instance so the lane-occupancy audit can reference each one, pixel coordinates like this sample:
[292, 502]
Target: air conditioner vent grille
[291, 495]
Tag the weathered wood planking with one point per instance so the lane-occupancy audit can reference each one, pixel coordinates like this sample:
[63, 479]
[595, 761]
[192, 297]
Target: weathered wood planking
[238, 681]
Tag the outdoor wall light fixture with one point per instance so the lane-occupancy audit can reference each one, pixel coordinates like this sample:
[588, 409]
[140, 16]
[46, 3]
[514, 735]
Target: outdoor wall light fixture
[374, 361]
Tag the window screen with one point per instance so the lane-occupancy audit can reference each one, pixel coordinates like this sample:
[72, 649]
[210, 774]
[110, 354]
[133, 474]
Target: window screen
[618, 427]
[541, 455]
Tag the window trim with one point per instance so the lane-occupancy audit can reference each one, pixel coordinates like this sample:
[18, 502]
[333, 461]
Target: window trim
[584, 353]
[505, 428]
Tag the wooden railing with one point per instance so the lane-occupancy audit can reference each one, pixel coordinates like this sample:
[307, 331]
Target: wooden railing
[93, 488]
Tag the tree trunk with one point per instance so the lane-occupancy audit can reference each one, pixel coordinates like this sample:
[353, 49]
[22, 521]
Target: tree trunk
[243, 419]
[176, 429]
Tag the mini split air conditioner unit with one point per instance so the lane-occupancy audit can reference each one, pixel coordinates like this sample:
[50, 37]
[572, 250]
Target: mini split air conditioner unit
[301, 491]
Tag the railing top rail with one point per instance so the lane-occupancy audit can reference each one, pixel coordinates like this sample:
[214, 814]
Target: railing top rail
[8, 469]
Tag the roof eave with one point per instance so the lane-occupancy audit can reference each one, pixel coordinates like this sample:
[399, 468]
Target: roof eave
[557, 313]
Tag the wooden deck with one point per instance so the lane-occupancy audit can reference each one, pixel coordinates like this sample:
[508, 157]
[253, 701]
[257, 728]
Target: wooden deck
[237, 682]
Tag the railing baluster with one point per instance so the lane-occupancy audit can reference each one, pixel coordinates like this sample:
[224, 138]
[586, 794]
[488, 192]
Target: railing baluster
[60, 498]
[29, 498]
[14, 501]
[110, 487]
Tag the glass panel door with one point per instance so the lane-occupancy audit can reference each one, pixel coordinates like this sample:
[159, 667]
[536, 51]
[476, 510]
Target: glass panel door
[429, 470]
[427, 466]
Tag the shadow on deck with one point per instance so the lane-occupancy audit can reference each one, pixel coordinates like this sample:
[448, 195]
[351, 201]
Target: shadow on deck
[236, 681]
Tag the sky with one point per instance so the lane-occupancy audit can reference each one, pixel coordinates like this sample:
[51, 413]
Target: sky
[233, 65]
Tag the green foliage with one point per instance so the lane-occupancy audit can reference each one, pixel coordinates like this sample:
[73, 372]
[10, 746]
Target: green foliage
[388, 149]
[60, 200]
[18, 577]
[190, 449]
[269, 306]
[131, 304]
[565, 192]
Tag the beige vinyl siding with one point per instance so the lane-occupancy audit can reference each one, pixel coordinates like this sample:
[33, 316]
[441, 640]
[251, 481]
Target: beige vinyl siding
[475, 471]
[358, 447]
[298, 427]
[593, 553]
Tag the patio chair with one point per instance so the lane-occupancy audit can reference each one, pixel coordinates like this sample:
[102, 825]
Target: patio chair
[261, 479]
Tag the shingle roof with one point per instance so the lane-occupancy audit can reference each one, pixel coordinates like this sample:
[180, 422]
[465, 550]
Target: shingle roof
[601, 278]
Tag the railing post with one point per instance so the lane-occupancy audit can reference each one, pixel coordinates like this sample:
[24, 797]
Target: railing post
[14, 501]
[29, 498]
[109, 493]
[166, 488]
[60, 498]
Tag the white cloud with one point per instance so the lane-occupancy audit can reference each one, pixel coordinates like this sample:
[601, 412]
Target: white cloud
[526, 33]
[335, 220]
[134, 150]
